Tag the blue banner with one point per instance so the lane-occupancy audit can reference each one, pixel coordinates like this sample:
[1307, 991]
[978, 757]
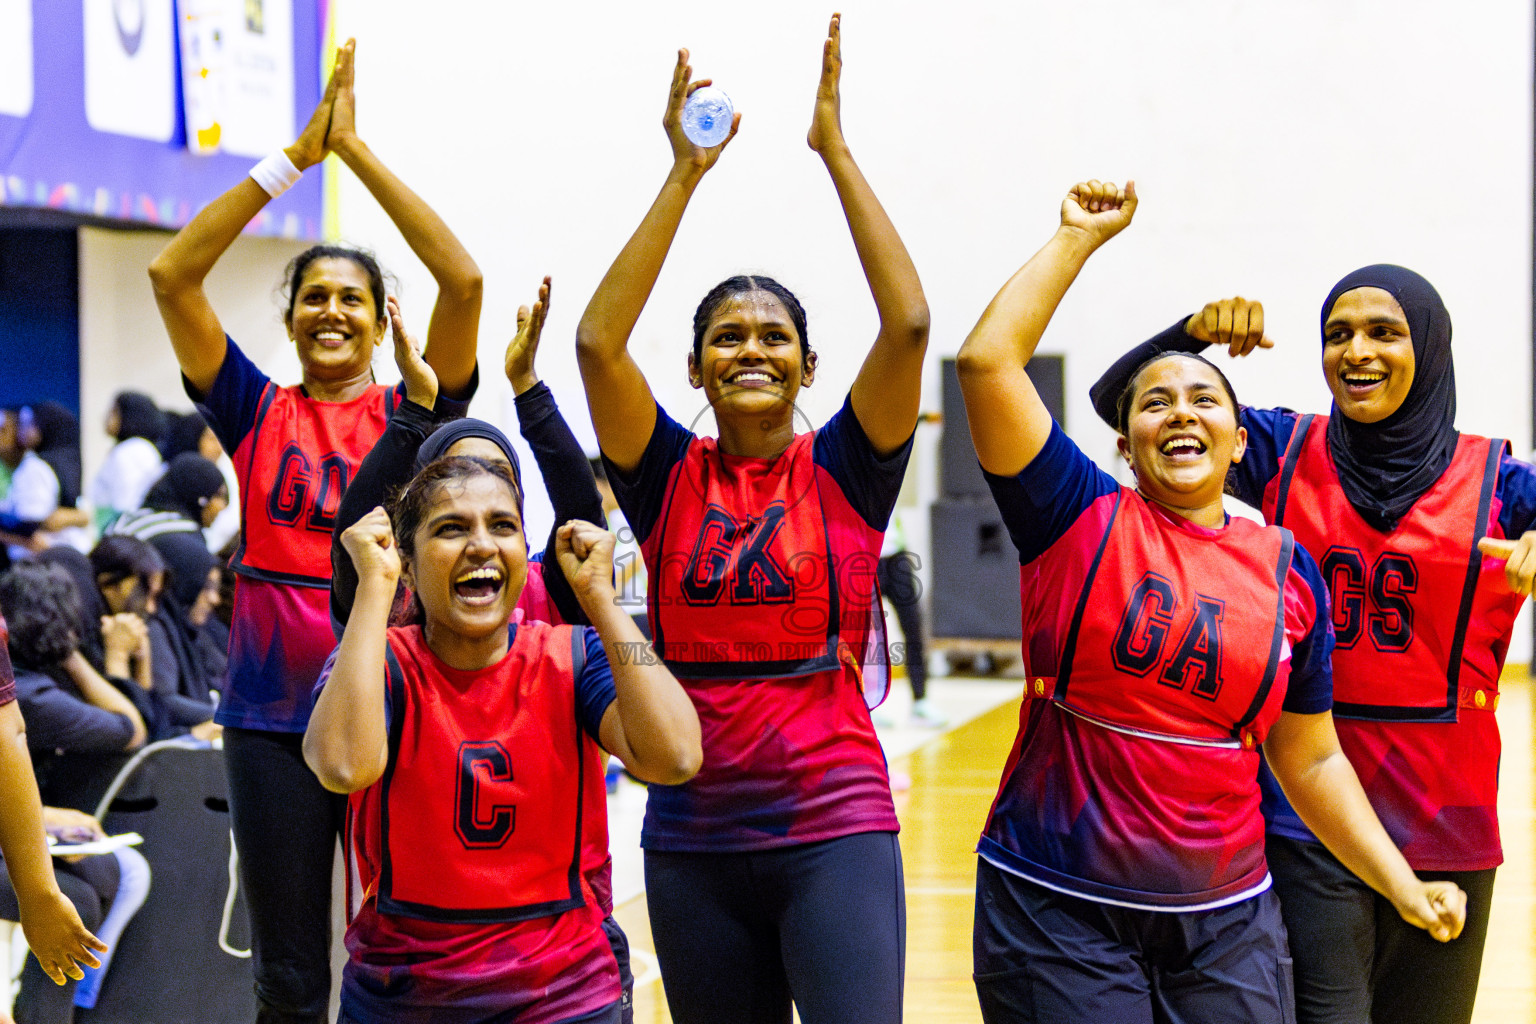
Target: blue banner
[93, 106]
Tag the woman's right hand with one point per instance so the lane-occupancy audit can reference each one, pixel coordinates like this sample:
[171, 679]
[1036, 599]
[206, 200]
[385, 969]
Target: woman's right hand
[371, 543]
[57, 937]
[1237, 323]
[1099, 210]
[684, 153]
[420, 379]
[123, 634]
[312, 144]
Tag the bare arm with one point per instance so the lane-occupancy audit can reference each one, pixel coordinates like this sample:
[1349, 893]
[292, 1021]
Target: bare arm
[1303, 751]
[346, 743]
[52, 927]
[623, 409]
[102, 694]
[651, 726]
[454, 329]
[887, 391]
[1009, 423]
[178, 272]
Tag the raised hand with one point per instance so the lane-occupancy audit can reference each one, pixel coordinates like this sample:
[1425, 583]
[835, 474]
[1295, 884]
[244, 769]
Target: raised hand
[524, 345]
[1440, 908]
[1519, 557]
[344, 112]
[57, 938]
[420, 380]
[683, 150]
[1237, 323]
[371, 543]
[1099, 210]
[585, 552]
[314, 141]
[826, 120]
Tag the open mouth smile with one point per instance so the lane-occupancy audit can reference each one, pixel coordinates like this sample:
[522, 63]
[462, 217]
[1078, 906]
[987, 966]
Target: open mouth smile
[1362, 382]
[480, 586]
[1183, 448]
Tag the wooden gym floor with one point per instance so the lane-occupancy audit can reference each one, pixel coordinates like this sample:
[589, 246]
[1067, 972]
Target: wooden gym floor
[954, 777]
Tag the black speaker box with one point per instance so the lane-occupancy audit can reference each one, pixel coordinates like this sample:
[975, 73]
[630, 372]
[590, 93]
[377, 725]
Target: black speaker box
[959, 474]
[975, 573]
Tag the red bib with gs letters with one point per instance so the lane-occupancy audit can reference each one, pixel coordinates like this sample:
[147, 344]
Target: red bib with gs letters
[1405, 603]
[1179, 632]
[479, 809]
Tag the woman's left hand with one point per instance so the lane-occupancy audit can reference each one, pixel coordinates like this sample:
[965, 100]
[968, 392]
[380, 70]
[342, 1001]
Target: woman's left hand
[524, 345]
[1440, 908]
[585, 553]
[1519, 559]
[420, 380]
[826, 121]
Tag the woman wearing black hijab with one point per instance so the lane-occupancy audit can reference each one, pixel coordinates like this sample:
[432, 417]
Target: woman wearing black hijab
[184, 501]
[1400, 510]
[136, 424]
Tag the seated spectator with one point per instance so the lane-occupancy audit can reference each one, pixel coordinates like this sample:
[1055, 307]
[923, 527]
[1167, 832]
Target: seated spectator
[41, 444]
[191, 433]
[134, 463]
[184, 501]
[186, 668]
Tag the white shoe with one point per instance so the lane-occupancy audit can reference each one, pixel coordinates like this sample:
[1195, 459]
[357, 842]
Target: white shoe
[926, 715]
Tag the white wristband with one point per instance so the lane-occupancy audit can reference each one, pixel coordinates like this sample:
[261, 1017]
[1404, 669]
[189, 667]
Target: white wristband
[276, 174]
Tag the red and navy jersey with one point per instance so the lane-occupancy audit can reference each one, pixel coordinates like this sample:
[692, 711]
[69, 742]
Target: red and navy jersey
[468, 848]
[1423, 625]
[7, 675]
[762, 588]
[293, 456]
[1159, 654]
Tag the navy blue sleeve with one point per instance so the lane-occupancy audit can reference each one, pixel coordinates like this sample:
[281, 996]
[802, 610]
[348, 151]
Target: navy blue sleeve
[640, 493]
[1269, 431]
[1310, 691]
[230, 405]
[1516, 490]
[1045, 499]
[567, 478]
[870, 483]
[594, 686]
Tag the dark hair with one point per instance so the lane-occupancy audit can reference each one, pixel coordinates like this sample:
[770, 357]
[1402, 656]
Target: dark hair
[184, 433]
[188, 484]
[118, 557]
[739, 285]
[1123, 403]
[293, 276]
[410, 506]
[138, 416]
[43, 612]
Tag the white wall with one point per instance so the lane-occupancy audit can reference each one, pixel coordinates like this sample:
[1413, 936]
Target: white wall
[123, 345]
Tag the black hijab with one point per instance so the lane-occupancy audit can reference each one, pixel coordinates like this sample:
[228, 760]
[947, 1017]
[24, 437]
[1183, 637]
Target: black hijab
[443, 438]
[58, 444]
[1385, 467]
[184, 434]
[138, 416]
[188, 484]
[92, 606]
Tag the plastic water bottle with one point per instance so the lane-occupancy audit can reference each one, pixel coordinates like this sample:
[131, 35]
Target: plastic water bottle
[707, 117]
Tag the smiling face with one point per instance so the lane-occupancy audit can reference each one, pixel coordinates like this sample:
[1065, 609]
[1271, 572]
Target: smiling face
[1182, 434]
[334, 322]
[1367, 354]
[469, 559]
[751, 360]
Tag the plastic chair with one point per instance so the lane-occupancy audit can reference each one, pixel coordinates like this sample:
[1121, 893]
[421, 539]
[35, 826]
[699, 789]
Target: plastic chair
[183, 958]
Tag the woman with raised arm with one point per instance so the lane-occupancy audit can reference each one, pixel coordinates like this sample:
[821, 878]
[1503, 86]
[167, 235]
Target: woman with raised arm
[1401, 509]
[294, 449]
[463, 739]
[776, 871]
[1122, 874]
